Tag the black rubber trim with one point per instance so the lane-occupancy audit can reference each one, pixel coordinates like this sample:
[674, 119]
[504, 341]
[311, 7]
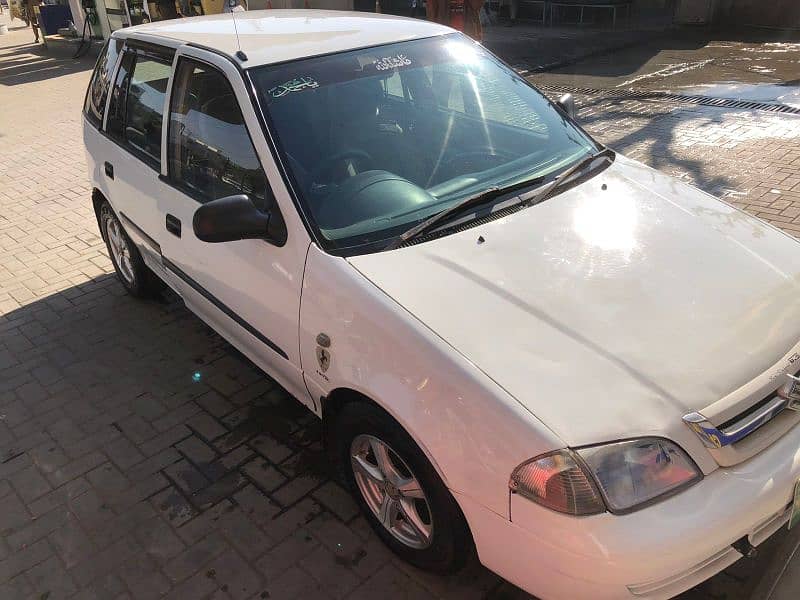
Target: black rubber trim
[167, 180]
[224, 308]
[148, 240]
[151, 48]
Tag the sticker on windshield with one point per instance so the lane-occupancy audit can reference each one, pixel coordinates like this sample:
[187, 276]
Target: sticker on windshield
[298, 84]
[391, 62]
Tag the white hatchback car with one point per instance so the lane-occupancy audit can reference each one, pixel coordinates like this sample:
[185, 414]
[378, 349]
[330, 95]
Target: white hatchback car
[515, 337]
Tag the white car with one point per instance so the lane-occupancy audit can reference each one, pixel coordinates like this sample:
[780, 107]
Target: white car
[517, 339]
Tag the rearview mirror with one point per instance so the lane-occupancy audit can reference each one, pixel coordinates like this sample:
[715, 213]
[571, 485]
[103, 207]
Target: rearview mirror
[567, 105]
[236, 218]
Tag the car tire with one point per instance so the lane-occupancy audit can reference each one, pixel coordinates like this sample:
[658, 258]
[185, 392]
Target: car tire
[359, 428]
[135, 276]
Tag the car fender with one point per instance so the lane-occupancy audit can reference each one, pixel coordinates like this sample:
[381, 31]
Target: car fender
[473, 431]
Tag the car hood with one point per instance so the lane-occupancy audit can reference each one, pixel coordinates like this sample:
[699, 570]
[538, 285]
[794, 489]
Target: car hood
[611, 309]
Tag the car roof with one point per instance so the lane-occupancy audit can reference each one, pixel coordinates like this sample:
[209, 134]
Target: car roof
[274, 36]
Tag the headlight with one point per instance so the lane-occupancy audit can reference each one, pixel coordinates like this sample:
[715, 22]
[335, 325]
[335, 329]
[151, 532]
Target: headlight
[559, 483]
[634, 472]
[622, 476]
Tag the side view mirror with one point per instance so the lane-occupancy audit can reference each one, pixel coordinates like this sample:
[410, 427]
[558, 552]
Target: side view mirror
[567, 105]
[236, 218]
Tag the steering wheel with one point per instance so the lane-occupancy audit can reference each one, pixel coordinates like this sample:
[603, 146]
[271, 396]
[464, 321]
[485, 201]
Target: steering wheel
[479, 159]
[470, 161]
[323, 173]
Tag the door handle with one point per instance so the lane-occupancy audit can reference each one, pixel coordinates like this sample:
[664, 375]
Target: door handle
[173, 225]
[109, 168]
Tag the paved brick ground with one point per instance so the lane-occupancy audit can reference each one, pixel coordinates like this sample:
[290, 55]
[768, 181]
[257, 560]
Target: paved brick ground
[123, 477]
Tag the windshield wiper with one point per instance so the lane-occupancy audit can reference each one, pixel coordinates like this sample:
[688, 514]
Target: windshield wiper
[468, 202]
[538, 195]
[543, 193]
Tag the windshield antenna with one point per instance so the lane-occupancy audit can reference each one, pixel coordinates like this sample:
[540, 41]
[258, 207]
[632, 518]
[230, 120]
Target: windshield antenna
[239, 53]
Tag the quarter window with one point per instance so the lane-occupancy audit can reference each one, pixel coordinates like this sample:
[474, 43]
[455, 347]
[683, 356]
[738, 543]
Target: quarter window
[95, 102]
[137, 105]
[210, 154]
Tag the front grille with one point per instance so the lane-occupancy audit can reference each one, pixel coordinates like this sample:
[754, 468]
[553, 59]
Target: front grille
[733, 441]
[742, 416]
[760, 413]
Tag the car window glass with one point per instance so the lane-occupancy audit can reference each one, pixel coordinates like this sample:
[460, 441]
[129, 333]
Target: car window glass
[210, 153]
[393, 85]
[377, 139]
[459, 89]
[145, 106]
[115, 124]
[137, 105]
[96, 95]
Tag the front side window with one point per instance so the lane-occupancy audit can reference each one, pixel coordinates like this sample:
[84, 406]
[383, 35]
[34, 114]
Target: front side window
[378, 139]
[95, 102]
[137, 105]
[210, 152]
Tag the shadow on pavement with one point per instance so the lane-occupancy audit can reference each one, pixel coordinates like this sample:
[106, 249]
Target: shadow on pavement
[191, 427]
[26, 63]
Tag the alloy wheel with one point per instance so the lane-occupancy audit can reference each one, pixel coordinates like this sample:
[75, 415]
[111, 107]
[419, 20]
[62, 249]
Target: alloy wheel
[118, 244]
[391, 491]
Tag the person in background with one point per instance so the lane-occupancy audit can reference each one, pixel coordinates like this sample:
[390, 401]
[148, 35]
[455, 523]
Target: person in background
[166, 9]
[232, 6]
[438, 11]
[513, 9]
[472, 19]
[32, 17]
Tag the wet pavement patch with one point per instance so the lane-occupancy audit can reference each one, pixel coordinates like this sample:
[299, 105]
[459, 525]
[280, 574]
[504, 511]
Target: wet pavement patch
[754, 65]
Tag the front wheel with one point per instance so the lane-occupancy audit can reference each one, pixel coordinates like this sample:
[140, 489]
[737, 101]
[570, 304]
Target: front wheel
[399, 491]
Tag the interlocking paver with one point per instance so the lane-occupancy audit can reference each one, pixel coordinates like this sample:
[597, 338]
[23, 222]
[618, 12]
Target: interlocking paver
[51, 578]
[390, 583]
[29, 484]
[59, 496]
[38, 528]
[120, 476]
[295, 583]
[23, 559]
[71, 543]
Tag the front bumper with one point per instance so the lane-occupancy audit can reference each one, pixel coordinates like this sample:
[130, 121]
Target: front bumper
[657, 552]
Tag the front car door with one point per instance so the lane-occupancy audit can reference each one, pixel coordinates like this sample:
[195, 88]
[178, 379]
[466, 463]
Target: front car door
[248, 290]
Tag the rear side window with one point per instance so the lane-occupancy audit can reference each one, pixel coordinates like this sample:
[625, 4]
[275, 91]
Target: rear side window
[95, 102]
[210, 153]
[137, 105]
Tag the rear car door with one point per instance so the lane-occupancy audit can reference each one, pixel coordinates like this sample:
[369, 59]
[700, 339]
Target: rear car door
[94, 110]
[248, 290]
[132, 150]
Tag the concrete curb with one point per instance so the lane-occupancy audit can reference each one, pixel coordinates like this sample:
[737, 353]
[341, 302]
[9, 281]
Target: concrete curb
[589, 54]
[529, 68]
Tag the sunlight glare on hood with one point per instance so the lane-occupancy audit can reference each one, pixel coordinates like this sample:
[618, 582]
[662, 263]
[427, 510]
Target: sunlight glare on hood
[609, 223]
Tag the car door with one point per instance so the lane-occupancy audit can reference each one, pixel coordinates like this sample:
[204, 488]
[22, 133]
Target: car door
[248, 290]
[132, 148]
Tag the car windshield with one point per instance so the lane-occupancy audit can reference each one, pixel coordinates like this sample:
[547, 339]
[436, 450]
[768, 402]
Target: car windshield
[378, 139]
